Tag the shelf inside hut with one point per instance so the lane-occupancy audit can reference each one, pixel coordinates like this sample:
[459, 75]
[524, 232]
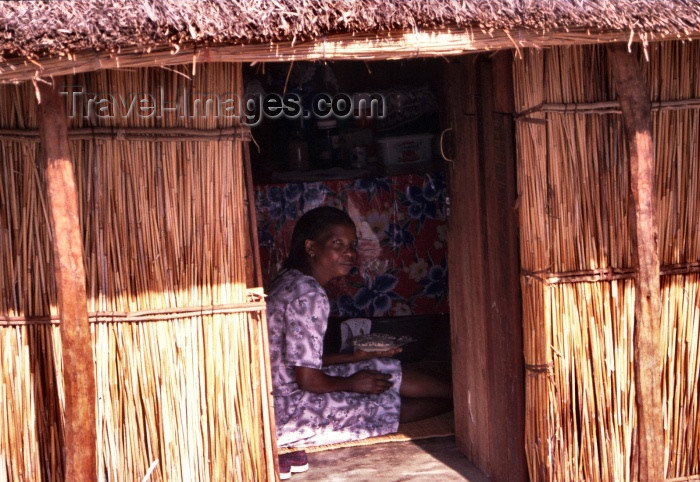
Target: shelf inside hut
[383, 167]
[381, 118]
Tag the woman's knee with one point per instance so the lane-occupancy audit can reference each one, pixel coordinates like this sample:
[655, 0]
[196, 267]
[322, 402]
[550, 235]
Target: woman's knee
[418, 384]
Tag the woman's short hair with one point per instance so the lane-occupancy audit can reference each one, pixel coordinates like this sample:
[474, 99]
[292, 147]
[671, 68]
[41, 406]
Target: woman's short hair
[313, 225]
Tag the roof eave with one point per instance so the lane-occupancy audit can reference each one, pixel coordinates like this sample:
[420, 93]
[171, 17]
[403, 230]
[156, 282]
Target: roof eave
[398, 44]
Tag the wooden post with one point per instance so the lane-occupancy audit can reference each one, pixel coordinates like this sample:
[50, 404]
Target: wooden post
[633, 95]
[467, 267]
[504, 324]
[485, 305]
[79, 445]
[253, 265]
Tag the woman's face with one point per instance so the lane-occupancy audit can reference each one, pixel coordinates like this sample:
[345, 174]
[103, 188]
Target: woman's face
[333, 254]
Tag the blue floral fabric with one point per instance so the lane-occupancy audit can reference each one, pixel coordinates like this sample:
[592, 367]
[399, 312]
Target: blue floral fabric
[402, 229]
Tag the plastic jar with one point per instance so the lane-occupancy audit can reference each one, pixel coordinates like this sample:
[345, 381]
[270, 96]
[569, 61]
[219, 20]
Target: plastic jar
[327, 142]
[298, 153]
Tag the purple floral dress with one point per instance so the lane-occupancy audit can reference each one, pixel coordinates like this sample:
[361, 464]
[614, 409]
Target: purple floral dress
[297, 315]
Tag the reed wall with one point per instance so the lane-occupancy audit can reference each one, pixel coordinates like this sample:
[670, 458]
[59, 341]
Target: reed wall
[178, 336]
[576, 255]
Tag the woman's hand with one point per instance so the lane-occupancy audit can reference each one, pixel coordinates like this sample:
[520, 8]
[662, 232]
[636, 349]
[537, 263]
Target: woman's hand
[364, 381]
[369, 381]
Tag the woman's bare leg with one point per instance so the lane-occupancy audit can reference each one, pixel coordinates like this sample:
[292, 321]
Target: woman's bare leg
[417, 384]
[413, 409]
[423, 394]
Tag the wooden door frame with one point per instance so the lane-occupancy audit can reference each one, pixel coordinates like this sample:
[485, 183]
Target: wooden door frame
[483, 260]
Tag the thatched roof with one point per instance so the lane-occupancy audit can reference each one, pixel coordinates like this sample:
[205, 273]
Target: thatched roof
[41, 38]
[36, 29]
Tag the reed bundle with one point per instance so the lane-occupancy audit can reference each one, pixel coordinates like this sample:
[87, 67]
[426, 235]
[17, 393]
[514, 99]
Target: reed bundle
[182, 394]
[30, 422]
[678, 197]
[578, 330]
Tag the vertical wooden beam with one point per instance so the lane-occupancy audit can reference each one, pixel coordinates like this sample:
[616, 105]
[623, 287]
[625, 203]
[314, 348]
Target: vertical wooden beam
[79, 445]
[633, 95]
[467, 265]
[485, 307]
[253, 266]
[504, 324]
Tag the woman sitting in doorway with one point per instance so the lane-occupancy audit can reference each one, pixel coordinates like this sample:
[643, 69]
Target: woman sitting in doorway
[321, 398]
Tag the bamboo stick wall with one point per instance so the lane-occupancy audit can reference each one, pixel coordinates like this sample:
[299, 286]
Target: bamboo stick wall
[577, 272]
[180, 362]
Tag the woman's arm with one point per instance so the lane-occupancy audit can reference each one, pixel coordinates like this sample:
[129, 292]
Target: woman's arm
[357, 355]
[364, 381]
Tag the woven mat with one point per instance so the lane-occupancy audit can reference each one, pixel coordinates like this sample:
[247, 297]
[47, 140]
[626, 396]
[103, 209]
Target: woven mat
[438, 426]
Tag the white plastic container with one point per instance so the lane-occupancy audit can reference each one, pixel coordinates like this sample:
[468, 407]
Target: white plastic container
[402, 150]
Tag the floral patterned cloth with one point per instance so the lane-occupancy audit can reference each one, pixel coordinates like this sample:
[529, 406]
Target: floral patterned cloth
[402, 231]
[297, 314]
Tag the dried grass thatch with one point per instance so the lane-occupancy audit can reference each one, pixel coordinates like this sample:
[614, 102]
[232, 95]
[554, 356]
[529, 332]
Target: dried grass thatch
[578, 288]
[59, 38]
[179, 345]
[40, 28]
